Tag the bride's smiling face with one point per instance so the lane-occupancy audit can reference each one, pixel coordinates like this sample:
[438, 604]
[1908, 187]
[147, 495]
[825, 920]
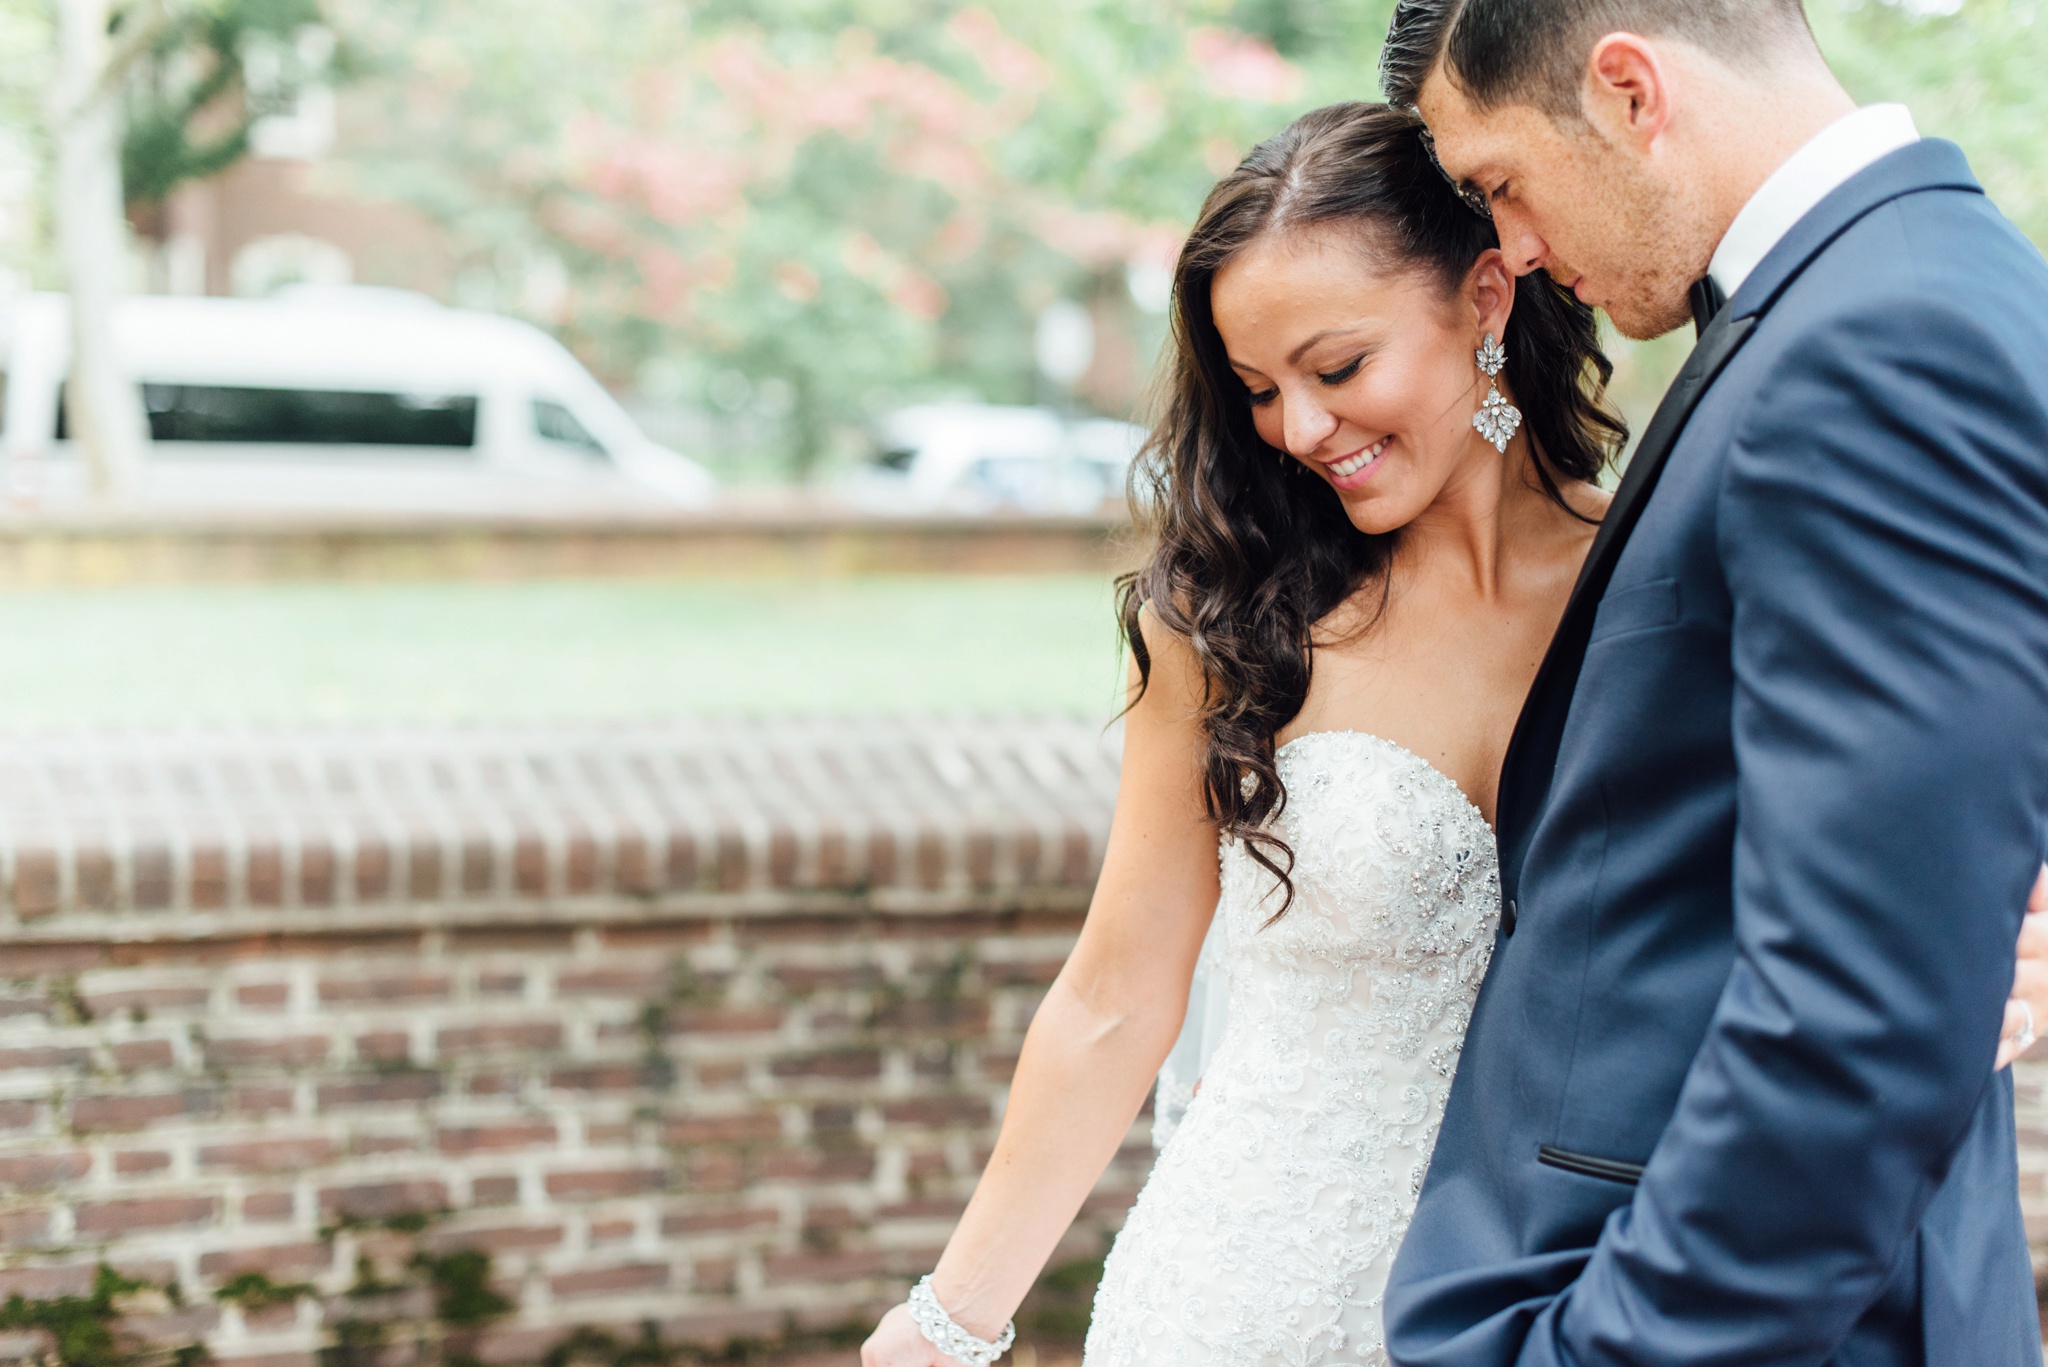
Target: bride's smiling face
[1363, 374]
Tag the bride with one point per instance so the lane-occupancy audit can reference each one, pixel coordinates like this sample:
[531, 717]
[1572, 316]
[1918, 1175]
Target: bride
[1374, 488]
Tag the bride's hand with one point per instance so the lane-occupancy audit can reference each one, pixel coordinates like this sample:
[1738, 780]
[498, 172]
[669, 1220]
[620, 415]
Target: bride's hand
[897, 1342]
[2030, 978]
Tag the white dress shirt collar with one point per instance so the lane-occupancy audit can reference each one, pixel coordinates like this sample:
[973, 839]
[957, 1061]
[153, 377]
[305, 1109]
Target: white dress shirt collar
[1828, 159]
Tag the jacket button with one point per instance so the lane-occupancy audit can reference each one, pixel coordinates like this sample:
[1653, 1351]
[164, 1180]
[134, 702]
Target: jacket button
[1507, 917]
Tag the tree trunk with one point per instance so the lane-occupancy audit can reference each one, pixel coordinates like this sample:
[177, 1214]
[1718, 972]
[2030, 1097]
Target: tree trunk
[103, 406]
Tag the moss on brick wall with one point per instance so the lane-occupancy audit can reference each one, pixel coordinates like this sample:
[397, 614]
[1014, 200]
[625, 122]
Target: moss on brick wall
[642, 1142]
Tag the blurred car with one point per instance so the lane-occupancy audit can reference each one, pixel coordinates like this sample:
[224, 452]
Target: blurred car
[987, 458]
[320, 399]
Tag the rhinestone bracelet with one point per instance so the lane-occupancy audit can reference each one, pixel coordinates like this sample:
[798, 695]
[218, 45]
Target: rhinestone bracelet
[949, 1338]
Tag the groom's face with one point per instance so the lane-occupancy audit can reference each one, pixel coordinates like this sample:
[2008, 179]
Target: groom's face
[1567, 201]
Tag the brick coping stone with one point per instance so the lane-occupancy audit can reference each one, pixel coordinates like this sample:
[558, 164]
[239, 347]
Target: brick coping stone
[264, 546]
[158, 835]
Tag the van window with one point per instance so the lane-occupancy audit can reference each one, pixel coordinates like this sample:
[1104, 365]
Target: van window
[321, 417]
[555, 422]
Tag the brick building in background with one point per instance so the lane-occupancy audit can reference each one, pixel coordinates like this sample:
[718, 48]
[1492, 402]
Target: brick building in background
[268, 221]
[288, 213]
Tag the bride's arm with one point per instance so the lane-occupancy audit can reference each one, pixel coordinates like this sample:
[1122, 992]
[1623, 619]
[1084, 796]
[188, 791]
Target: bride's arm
[1106, 1024]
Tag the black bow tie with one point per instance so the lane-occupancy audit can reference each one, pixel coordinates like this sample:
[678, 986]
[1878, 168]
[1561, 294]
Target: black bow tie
[1707, 300]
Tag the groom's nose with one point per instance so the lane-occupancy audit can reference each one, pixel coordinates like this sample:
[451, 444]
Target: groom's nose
[1520, 243]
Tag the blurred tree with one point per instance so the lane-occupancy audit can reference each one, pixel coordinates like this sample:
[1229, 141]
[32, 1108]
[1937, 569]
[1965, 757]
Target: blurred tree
[816, 208]
[102, 403]
[145, 94]
[189, 95]
[1971, 70]
[800, 211]
[27, 38]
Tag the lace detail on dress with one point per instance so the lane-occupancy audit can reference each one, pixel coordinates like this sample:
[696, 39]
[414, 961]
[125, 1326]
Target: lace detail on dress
[1200, 1033]
[1265, 1233]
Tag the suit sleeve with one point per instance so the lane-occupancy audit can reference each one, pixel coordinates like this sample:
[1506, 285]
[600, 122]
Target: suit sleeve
[1883, 528]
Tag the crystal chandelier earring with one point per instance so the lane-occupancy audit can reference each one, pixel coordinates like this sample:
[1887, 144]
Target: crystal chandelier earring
[1496, 419]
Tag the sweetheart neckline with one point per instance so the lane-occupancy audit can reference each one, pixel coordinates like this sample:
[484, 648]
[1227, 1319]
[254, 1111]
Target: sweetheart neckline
[1401, 750]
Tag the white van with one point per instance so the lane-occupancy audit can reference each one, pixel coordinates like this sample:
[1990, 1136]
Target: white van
[989, 458]
[351, 399]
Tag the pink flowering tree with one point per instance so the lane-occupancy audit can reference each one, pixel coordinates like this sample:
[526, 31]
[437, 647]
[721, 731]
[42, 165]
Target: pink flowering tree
[831, 206]
[808, 210]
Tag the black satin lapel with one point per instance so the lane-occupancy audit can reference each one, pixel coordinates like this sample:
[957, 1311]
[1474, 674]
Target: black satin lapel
[1525, 772]
[1714, 350]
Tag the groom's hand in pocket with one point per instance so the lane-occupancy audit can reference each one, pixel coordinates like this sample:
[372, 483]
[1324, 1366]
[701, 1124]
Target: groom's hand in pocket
[2027, 1011]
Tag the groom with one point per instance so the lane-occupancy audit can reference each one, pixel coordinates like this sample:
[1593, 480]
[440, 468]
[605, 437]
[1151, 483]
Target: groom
[1728, 1096]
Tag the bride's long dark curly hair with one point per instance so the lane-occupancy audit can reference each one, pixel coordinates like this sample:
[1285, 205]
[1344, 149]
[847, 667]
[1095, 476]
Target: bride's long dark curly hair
[1249, 552]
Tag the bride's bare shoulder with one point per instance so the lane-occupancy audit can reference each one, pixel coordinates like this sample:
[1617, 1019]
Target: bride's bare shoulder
[1587, 499]
[1572, 531]
[1174, 682]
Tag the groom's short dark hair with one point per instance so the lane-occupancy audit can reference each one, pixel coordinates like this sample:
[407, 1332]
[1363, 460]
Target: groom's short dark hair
[1534, 52]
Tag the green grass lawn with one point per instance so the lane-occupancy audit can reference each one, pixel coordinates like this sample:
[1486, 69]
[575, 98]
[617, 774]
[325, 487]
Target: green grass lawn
[478, 652]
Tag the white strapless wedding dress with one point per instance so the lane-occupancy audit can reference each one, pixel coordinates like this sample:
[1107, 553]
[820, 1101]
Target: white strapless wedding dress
[1265, 1233]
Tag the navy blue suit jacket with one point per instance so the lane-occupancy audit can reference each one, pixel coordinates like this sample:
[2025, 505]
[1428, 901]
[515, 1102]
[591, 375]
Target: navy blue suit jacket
[1766, 829]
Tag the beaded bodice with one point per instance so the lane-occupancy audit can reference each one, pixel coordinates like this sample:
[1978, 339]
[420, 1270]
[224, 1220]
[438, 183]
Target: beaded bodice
[1266, 1231]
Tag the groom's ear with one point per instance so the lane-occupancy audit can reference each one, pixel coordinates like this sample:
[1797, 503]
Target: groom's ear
[1626, 95]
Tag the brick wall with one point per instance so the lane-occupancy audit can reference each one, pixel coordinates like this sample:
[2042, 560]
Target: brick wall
[706, 1027]
[700, 1026]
